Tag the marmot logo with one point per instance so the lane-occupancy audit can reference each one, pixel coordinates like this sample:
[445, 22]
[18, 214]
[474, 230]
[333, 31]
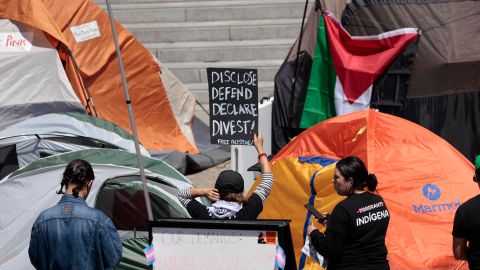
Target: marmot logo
[431, 192]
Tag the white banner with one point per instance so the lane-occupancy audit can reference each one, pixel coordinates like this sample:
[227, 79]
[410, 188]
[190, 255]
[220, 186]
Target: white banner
[186, 249]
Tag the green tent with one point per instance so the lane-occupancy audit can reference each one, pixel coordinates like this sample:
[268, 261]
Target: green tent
[117, 191]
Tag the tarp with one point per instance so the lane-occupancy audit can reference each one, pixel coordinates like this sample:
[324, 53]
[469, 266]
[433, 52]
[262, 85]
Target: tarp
[291, 82]
[422, 179]
[443, 94]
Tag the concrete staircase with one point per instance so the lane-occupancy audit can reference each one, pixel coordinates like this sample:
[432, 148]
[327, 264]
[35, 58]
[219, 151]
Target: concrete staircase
[190, 35]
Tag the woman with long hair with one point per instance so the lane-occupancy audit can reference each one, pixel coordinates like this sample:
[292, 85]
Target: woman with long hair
[355, 231]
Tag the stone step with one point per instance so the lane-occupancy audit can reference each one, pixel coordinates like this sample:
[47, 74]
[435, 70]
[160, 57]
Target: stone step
[200, 90]
[103, 2]
[221, 51]
[196, 72]
[188, 36]
[215, 30]
[207, 11]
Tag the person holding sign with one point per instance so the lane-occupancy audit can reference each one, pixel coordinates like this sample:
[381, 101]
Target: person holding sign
[228, 198]
[355, 235]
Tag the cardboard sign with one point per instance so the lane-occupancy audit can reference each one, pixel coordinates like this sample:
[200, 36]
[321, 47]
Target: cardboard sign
[233, 95]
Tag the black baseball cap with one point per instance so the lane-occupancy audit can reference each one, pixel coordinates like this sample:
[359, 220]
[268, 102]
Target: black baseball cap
[229, 181]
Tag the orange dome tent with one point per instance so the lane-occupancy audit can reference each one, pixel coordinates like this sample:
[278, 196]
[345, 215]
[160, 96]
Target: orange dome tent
[95, 68]
[96, 58]
[422, 178]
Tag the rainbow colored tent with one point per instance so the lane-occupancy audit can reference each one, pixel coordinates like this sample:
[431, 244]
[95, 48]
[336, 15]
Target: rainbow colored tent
[422, 178]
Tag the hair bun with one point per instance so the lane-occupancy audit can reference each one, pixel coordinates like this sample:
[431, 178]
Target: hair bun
[372, 182]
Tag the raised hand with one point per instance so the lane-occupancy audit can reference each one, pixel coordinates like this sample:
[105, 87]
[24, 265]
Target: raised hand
[258, 142]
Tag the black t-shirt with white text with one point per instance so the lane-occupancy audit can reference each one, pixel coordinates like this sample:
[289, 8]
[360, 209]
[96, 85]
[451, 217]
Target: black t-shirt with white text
[355, 234]
[467, 225]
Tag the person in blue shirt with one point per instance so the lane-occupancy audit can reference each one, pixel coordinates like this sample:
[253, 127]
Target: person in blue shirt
[71, 234]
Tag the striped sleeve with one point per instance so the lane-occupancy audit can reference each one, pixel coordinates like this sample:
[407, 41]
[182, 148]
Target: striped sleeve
[184, 196]
[263, 189]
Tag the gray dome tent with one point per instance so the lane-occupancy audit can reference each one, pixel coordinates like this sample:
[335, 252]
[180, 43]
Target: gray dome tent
[49, 134]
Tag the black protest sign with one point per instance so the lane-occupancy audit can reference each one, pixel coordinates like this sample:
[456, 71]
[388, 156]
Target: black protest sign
[233, 95]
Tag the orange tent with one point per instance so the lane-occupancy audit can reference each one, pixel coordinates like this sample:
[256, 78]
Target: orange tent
[32, 13]
[97, 65]
[422, 179]
[96, 58]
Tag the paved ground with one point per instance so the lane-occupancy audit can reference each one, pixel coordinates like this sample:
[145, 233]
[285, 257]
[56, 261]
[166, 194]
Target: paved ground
[208, 177]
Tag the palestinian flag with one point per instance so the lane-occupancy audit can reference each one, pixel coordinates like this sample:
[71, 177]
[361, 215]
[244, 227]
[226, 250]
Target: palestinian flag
[340, 77]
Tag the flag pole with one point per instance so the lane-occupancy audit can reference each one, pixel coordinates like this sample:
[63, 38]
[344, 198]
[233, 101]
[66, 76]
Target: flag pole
[130, 114]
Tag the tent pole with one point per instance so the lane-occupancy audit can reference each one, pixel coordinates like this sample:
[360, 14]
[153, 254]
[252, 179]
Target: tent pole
[88, 98]
[130, 113]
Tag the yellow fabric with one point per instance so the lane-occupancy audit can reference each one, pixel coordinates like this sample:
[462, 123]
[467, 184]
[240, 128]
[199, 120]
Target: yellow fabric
[291, 190]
